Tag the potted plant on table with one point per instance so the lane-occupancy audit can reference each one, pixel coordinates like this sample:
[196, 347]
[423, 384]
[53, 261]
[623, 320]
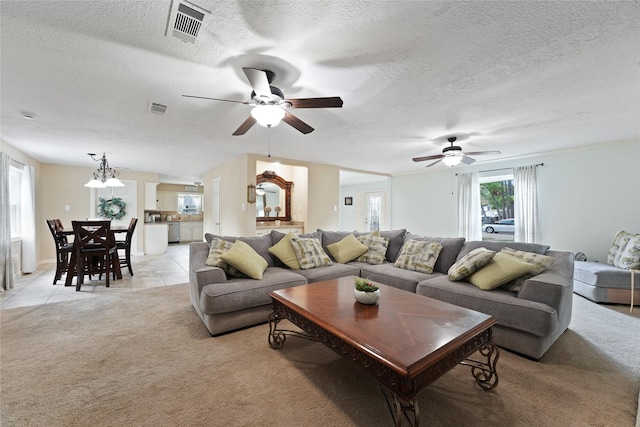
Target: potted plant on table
[365, 291]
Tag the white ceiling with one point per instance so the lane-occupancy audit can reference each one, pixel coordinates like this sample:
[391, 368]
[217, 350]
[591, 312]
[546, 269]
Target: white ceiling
[520, 77]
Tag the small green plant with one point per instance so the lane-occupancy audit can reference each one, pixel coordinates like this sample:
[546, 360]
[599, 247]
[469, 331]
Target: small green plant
[364, 285]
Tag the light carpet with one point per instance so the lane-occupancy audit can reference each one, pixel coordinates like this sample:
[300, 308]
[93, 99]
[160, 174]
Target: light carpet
[146, 359]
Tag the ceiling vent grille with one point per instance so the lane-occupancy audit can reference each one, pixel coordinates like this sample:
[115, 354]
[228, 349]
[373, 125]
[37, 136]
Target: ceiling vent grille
[157, 108]
[185, 21]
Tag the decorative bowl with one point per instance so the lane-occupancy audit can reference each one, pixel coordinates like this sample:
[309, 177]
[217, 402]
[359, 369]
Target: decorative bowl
[367, 297]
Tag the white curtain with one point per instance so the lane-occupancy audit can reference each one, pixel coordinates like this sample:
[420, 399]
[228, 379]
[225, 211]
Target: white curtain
[28, 219]
[6, 267]
[469, 209]
[526, 204]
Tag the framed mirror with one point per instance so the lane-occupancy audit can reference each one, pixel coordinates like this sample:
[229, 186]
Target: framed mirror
[273, 197]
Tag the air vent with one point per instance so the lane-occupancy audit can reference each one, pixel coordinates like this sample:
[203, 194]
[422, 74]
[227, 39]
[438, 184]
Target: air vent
[156, 108]
[185, 21]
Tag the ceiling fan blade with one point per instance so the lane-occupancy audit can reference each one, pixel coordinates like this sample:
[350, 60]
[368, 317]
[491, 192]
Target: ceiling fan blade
[467, 160]
[422, 159]
[329, 102]
[244, 127]
[259, 81]
[216, 99]
[479, 153]
[431, 164]
[295, 122]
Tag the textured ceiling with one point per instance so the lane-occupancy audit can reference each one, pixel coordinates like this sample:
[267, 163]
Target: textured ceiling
[519, 77]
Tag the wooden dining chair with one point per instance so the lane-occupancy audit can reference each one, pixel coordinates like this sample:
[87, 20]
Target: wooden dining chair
[94, 249]
[63, 248]
[126, 245]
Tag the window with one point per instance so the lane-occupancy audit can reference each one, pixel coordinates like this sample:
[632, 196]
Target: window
[15, 184]
[497, 201]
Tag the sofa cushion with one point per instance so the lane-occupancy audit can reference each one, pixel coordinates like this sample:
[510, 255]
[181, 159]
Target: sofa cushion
[603, 275]
[396, 240]
[310, 253]
[630, 256]
[239, 294]
[347, 249]
[501, 269]
[260, 244]
[393, 276]
[509, 311]
[245, 259]
[377, 249]
[329, 272]
[450, 249]
[469, 263]
[283, 250]
[418, 256]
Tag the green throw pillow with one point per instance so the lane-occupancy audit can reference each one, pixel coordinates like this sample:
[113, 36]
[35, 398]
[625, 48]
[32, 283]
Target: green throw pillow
[618, 246]
[244, 258]
[217, 247]
[470, 263]
[418, 255]
[310, 253]
[283, 250]
[377, 249]
[501, 269]
[347, 249]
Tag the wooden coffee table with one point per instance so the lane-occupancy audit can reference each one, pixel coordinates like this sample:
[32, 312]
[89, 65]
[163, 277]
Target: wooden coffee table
[405, 342]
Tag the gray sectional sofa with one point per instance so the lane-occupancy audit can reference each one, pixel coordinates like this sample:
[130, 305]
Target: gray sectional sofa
[528, 321]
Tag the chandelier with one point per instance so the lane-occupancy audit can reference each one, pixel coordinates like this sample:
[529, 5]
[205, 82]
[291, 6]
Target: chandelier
[104, 176]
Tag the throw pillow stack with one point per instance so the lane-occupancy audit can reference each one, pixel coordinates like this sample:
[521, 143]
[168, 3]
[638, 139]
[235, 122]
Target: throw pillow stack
[488, 270]
[236, 259]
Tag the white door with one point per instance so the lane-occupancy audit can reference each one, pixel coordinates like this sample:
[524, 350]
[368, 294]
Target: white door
[376, 208]
[215, 192]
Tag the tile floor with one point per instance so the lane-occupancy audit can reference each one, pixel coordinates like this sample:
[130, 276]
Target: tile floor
[170, 268]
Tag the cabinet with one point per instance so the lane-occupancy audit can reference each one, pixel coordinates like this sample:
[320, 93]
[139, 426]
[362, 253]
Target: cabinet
[155, 238]
[150, 196]
[191, 232]
[166, 201]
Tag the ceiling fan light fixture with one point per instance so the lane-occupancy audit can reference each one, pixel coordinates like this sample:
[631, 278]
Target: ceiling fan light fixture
[268, 115]
[452, 160]
[260, 191]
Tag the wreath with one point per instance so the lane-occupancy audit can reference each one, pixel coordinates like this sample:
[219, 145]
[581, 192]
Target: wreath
[112, 209]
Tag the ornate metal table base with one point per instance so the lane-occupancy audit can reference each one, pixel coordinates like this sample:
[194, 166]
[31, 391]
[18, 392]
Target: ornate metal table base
[484, 371]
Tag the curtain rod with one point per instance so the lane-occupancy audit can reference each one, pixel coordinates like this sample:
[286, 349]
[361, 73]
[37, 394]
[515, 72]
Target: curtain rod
[505, 169]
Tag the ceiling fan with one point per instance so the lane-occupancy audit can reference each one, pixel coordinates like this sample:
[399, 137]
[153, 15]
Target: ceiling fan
[453, 155]
[270, 105]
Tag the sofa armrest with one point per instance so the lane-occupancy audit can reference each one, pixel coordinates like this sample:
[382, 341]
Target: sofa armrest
[554, 286]
[201, 274]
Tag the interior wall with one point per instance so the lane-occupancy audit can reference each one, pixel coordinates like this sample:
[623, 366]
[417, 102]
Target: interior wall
[585, 196]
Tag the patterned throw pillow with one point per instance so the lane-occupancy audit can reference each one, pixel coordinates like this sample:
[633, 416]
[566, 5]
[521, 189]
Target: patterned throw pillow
[630, 256]
[347, 249]
[470, 263]
[618, 245]
[418, 256]
[540, 261]
[310, 253]
[377, 249]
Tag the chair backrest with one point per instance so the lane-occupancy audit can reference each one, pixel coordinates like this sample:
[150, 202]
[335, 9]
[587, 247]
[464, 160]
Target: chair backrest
[55, 229]
[93, 234]
[131, 229]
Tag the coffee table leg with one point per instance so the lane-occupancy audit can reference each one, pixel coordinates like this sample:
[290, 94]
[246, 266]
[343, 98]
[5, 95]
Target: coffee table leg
[401, 408]
[485, 372]
[276, 338]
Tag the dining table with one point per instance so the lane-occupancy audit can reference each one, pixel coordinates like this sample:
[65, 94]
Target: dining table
[115, 261]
